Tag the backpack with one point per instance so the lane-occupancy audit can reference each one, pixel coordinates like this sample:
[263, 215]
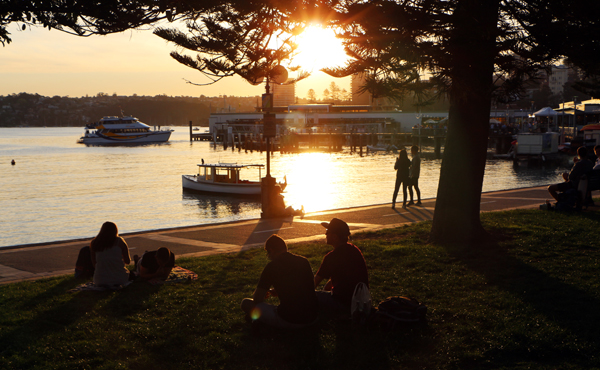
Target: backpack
[360, 308]
[566, 200]
[84, 269]
[398, 309]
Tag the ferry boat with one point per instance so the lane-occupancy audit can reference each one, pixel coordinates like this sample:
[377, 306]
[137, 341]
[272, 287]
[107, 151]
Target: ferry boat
[226, 178]
[122, 130]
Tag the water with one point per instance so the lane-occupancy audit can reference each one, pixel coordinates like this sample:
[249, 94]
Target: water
[61, 190]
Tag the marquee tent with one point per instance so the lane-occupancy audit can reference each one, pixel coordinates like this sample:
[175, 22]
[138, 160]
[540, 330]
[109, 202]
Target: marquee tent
[545, 112]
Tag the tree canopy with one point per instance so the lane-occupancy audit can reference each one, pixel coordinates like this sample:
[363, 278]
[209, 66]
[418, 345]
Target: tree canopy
[88, 17]
[242, 38]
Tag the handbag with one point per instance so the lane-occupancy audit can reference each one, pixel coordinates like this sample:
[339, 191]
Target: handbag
[361, 303]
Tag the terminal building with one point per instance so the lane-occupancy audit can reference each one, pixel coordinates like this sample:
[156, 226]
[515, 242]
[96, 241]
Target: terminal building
[322, 118]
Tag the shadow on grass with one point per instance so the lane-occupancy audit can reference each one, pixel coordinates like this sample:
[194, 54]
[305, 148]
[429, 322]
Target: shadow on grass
[335, 344]
[51, 316]
[570, 307]
[55, 310]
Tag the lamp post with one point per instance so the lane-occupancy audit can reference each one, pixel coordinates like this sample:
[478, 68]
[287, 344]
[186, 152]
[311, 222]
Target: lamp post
[278, 75]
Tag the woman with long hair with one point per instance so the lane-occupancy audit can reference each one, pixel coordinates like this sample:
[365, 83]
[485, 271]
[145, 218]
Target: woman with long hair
[402, 168]
[110, 255]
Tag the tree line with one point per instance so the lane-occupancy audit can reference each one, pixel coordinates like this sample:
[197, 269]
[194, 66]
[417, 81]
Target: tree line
[161, 110]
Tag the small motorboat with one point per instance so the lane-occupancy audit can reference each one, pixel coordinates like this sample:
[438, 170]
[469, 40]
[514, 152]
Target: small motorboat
[226, 178]
[382, 148]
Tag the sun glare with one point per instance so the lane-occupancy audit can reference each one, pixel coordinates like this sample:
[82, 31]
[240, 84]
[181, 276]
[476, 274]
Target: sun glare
[319, 48]
[312, 180]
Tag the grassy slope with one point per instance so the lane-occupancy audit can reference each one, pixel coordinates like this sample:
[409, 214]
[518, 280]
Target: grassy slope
[531, 301]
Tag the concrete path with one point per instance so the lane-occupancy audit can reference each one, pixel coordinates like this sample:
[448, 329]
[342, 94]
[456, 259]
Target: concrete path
[36, 261]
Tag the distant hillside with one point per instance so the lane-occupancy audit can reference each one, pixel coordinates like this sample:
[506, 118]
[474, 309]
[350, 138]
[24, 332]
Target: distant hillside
[35, 110]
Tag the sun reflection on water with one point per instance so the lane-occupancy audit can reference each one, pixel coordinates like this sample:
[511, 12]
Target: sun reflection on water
[313, 177]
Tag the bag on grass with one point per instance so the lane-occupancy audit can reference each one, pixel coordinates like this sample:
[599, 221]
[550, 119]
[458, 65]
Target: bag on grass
[361, 303]
[566, 200]
[402, 310]
[84, 269]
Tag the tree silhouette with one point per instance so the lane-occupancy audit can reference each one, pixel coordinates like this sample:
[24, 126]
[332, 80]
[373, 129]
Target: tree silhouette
[88, 17]
[249, 39]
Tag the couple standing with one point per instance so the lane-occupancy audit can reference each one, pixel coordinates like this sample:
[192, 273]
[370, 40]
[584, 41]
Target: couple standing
[407, 174]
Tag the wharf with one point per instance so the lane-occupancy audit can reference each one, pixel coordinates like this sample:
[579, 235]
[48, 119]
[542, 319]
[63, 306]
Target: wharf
[29, 262]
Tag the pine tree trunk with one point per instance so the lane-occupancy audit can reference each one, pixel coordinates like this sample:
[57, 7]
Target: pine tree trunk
[456, 217]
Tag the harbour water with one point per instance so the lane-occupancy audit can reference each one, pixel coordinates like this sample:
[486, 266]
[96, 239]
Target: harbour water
[60, 190]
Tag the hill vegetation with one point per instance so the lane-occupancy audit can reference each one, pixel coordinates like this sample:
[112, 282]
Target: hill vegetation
[36, 110]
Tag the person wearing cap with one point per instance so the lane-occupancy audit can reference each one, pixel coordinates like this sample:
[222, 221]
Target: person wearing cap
[291, 277]
[343, 268]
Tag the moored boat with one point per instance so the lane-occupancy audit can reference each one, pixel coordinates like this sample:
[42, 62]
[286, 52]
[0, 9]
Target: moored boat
[226, 178]
[382, 148]
[122, 130]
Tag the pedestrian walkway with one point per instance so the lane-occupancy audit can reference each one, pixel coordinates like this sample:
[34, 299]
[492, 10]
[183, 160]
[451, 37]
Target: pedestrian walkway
[29, 262]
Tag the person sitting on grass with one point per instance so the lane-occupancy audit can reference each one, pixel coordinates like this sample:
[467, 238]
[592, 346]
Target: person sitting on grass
[343, 268]
[155, 266]
[291, 277]
[581, 166]
[110, 255]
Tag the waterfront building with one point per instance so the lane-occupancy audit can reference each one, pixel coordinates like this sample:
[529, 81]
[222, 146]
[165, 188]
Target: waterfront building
[323, 118]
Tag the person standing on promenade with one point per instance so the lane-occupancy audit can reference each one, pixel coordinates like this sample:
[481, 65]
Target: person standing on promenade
[110, 255]
[415, 172]
[291, 277]
[343, 268]
[581, 167]
[402, 172]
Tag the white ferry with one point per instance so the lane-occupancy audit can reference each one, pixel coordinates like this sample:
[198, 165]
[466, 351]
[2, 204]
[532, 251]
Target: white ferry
[122, 130]
[226, 178]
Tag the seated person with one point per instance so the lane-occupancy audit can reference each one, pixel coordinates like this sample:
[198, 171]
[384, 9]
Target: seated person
[342, 269]
[110, 256]
[155, 265]
[581, 166]
[277, 205]
[292, 281]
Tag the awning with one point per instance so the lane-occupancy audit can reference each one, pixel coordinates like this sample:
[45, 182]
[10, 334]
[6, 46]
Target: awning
[545, 112]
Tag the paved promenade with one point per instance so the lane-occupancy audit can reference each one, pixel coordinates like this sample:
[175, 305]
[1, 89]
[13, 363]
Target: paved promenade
[29, 262]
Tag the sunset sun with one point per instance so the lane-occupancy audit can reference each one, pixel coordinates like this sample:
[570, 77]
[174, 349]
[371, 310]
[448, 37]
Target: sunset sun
[319, 48]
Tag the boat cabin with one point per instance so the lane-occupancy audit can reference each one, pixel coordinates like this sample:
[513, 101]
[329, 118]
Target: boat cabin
[225, 173]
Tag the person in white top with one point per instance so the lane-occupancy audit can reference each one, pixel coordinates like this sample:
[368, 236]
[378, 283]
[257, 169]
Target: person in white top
[110, 255]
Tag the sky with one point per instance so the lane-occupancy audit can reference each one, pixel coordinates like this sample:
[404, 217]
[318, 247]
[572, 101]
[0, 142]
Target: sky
[51, 62]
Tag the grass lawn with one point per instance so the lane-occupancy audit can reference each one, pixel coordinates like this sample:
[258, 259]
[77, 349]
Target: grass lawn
[531, 301]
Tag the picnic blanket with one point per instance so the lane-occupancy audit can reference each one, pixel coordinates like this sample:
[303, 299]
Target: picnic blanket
[177, 275]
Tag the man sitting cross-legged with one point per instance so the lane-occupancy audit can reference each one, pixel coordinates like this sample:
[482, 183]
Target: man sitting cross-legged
[291, 277]
[342, 268]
